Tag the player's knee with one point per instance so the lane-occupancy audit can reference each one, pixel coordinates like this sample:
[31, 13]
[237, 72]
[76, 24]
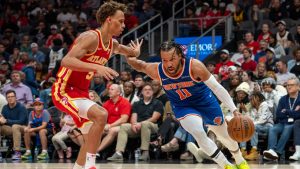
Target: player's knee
[98, 115]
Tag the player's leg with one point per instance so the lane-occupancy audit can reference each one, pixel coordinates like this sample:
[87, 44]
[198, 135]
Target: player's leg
[194, 125]
[223, 136]
[98, 115]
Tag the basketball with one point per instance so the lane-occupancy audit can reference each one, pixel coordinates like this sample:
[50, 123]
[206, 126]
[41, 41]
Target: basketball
[241, 128]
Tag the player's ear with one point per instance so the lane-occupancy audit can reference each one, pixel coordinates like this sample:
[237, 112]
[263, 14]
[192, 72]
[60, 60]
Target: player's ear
[108, 19]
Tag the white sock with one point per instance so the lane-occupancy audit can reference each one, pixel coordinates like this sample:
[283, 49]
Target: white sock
[44, 151]
[77, 166]
[238, 157]
[90, 160]
[28, 151]
[221, 160]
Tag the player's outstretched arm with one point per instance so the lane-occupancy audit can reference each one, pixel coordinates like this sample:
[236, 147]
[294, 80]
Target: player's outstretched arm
[128, 50]
[200, 72]
[151, 69]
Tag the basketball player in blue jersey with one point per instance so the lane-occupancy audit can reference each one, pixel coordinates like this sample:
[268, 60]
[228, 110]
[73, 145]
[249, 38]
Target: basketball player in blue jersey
[190, 87]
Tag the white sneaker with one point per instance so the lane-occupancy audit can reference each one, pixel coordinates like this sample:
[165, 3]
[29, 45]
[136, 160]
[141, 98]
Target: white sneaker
[295, 157]
[270, 154]
[195, 151]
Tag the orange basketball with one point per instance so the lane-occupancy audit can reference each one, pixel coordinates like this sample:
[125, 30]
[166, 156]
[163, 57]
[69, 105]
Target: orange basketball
[241, 128]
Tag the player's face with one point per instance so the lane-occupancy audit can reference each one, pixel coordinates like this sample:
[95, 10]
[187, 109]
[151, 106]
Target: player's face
[117, 24]
[171, 61]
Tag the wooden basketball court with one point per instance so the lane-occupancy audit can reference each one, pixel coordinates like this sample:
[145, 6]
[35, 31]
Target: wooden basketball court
[140, 166]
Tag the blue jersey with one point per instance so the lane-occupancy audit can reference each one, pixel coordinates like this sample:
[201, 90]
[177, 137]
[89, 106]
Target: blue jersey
[186, 93]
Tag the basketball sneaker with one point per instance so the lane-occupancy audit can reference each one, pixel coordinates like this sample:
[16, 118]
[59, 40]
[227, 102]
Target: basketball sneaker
[43, 156]
[228, 166]
[243, 165]
[26, 156]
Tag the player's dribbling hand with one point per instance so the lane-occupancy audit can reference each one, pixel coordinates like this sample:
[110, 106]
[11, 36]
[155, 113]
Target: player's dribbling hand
[136, 47]
[236, 113]
[107, 73]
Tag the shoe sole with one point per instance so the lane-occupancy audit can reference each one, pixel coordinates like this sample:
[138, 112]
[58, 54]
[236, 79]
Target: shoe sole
[195, 151]
[270, 156]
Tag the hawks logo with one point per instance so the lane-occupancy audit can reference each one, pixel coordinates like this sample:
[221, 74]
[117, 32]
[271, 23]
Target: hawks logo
[218, 120]
[65, 100]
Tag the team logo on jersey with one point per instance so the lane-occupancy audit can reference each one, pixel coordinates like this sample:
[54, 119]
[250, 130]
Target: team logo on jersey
[65, 100]
[218, 120]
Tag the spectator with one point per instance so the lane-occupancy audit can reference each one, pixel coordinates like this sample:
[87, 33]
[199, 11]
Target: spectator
[50, 14]
[30, 77]
[124, 77]
[98, 85]
[248, 64]
[211, 67]
[3, 54]
[255, 15]
[294, 10]
[3, 81]
[239, 16]
[138, 83]
[283, 74]
[242, 98]
[36, 54]
[58, 139]
[183, 136]
[265, 33]
[287, 112]
[25, 44]
[279, 50]
[45, 93]
[144, 121]
[95, 97]
[247, 76]
[39, 125]
[283, 36]
[56, 53]
[40, 33]
[131, 21]
[64, 15]
[13, 121]
[129, 92]
[270, 59]
[294, 65]
[260, 56]
[5, 68]
[222, 67]
[119, 110]
[250, 43]
[277, 11]
[271, 95]
[263, 120]
[232, 72]
[24, 95]
[54, 35]
[238, 58]
[232, 6]
[205, 22]
[159, 93]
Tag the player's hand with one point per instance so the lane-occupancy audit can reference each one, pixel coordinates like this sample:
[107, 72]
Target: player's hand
[106, 72]
[236, 113]
[136, 47]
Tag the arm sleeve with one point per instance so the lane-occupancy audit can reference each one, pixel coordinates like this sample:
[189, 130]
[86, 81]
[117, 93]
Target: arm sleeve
[220, 92]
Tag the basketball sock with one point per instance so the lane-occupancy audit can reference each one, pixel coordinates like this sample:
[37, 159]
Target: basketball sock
[90, 160]
[220, 159]
[237, 155]
[77, 166]
[193, 124]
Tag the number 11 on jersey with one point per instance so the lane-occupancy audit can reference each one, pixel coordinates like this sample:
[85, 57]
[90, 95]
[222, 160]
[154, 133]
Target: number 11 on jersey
[183, 93]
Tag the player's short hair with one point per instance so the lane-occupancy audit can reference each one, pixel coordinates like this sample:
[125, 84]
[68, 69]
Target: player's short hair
[168, 45]
[108, 9]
